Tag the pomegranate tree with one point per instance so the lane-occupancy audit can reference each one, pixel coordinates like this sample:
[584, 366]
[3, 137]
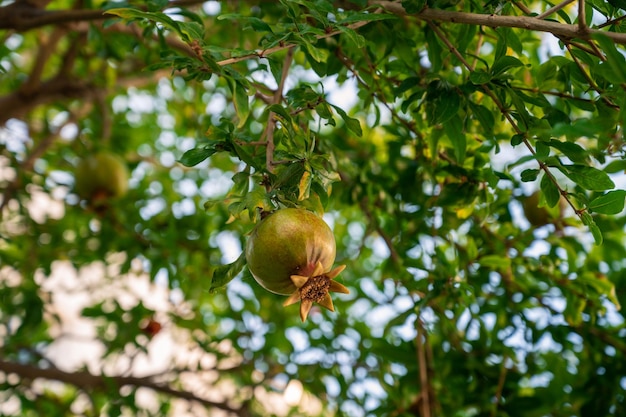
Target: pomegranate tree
[291, 252]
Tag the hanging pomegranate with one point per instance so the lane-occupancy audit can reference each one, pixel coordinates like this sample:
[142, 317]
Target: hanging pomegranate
[291, 252]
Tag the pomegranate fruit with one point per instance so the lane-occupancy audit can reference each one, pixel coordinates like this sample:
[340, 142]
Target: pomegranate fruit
[291, 252]
[540, 216]
[101, 177]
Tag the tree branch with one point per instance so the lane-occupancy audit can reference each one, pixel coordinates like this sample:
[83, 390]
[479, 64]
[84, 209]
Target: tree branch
[420, 340]
[23, 16]
[18, 103]
[522, 22]
[88, 381]
[271, 122]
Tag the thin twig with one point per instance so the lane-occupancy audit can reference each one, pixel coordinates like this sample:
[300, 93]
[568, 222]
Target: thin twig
[582, 20]
[522, 7]
[420, 341]
[554, 9]
[590, 80]
[271, 122]
[612, 22]
[501, 379]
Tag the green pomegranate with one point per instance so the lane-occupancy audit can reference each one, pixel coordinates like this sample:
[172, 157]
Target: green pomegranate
[291, 252]
[541, 216]
[101, 177]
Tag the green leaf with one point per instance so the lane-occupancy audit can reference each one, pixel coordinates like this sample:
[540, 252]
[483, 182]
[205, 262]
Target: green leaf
[497, 262]
[550, 191]
[221, 275]
[484, 116]
[288, 175]
[613, 167]
[413, 6]
[240, 100]
[479, 77]
[191, 30]
[194, 156]
[281, 111]
[504, 64]
[589, 178]
[318, 54]
[244, 156]
[242, 183]
[542, 150]
[454, 131]
[304, 186]
[574, 308]
[529, 175]
[158, 17]
[442, 102]
[517, 139]
[588, 221]
[615, 64]
[609, 203]
[356, 40]
[596, 233]
[572, 150]
[353, 124]
[435, 51]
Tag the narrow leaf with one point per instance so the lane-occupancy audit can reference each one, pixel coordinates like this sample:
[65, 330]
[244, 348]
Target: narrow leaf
[615, 61]
[281, 111]
[609, 203]
[223, 274]
[550, 191]
[504, 64]
[589, 178]
[351, 123]
[304, 188]
[442, 102]
[529, 175]
[194, 156]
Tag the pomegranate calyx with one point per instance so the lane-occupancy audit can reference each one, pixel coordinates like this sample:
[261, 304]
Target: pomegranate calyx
[316, 288]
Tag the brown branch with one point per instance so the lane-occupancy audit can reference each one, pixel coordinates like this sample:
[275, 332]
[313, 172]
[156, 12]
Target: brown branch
[522, 22]
[18, 103]
[612, 22]
[271, 122]
[88, 381]
[45, 51]
[582, 25]
[420, 341]
[23, 16]
[501, 380]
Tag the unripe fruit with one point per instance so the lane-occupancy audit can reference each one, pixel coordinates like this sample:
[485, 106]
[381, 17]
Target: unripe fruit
[541, 216]
[291, 252]
[101, 177]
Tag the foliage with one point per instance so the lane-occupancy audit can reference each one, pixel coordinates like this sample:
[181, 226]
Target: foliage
[416, 128]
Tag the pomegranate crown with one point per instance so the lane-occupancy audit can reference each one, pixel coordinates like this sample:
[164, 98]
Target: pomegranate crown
[316, 288]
